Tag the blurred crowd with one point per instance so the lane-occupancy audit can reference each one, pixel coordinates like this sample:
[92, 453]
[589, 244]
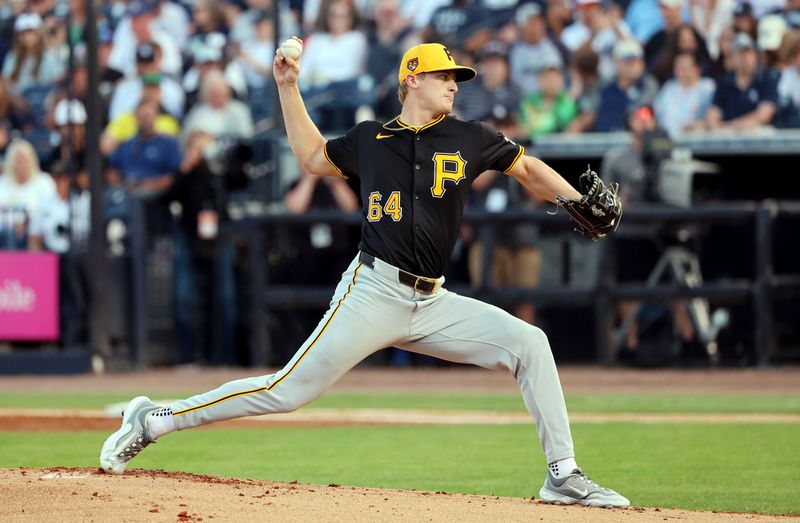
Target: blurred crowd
[176, 77]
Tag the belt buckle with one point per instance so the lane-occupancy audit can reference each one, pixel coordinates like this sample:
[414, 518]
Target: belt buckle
[424, 279]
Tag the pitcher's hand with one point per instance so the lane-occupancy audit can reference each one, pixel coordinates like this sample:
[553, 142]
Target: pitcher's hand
[285, 70]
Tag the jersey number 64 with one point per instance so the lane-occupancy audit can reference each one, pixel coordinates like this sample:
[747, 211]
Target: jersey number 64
[392, 208]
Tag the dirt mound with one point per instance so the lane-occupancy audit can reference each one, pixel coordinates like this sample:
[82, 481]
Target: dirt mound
[80, 494]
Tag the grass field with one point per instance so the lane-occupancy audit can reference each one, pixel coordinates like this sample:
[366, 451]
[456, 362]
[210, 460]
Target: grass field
[742, 467]
[649, 403]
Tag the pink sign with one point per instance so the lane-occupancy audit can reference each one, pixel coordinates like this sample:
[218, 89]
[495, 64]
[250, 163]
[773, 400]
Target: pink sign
[28, 296]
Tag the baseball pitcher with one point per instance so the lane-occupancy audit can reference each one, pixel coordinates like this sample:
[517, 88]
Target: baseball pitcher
[415, 173]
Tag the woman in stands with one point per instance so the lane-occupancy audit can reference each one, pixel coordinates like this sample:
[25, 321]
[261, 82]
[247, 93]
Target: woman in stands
[23, 188]
[31, 62]
[329, 83]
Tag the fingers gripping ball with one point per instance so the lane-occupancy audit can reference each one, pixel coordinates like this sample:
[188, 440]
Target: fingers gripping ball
[292, 48]
[598, 211]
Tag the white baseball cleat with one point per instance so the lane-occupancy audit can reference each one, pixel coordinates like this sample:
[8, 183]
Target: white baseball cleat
[577, 488]
[123, 445]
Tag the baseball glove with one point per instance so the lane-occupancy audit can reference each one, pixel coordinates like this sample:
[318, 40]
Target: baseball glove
[598, 211]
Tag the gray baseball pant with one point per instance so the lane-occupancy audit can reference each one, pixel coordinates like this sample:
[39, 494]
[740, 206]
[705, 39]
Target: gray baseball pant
[370, 310]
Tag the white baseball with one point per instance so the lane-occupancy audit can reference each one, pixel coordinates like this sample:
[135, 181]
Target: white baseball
[292, 48]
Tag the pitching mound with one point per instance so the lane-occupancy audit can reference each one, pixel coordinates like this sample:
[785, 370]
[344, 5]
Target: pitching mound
[80, 494]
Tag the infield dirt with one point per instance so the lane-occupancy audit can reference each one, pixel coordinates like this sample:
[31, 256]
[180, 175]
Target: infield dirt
[80, 494]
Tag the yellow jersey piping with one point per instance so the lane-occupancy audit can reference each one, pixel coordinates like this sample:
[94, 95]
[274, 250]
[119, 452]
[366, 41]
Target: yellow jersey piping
[325, 152]
[516, 158]
[404, 125]
[275, 384]
[327, 323]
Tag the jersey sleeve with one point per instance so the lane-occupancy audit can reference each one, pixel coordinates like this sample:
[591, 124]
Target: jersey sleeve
[498, 153]
[342, 152]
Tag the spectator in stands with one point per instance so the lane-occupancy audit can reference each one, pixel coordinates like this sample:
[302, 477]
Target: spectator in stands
[218, 113]
[744, 21]
[203, 267]
[329, 83]
[533, 48]
[61, 225]
[516, 259]
[31, 63]
[140, 27]
[173, 19]
[13, 109]
[210, 56]
[789, 84]
[710, 19]
[147, 163]
[255, 59]
[391, 36]
[128, 92]
[207, 17]
[242, 29]
[70, 121]
[23, 190]
[683, 39]
[670, 11]
[584, 88]
[791, 13]
[601, 26]
[551, 110]
[632, 88]
[682, 102]
[746, 97]
[492, 92]
[125, 126]
[419, 11]
[460, 25]
[724, 62]
[771, 30]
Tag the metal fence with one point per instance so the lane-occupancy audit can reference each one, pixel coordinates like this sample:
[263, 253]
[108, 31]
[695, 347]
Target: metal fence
[761, 289]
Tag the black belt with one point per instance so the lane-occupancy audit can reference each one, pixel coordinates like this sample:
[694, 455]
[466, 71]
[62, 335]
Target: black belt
[418, 283]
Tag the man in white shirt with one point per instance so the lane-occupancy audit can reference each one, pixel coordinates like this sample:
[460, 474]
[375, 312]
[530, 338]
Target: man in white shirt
[128, 92]
[137, 28]
[532, 50]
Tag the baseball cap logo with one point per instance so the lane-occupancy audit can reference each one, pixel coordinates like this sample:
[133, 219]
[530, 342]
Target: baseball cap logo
[412, 64]
[449, 56]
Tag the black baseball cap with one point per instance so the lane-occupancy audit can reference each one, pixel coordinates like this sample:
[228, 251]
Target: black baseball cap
[743, 9]
[492, 49]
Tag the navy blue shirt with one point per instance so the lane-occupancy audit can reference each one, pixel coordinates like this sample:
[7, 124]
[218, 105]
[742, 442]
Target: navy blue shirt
[143, 158]
[615, 104]
[734, 102]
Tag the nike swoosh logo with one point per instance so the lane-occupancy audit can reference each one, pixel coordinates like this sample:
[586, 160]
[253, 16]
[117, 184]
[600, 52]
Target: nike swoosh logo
[380, 136]
[581, 493]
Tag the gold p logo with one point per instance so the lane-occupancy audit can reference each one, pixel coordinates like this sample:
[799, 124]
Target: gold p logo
[446, 166]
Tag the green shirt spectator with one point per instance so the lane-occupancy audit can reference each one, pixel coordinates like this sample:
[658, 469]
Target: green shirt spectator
[551, 109]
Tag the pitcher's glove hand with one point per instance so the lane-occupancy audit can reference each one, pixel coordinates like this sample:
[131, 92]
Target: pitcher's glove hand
[598, 211]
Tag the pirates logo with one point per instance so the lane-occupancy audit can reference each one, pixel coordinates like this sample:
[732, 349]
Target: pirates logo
[412, 64]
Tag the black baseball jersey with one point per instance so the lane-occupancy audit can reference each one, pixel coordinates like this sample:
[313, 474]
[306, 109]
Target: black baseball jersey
[415, 182]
